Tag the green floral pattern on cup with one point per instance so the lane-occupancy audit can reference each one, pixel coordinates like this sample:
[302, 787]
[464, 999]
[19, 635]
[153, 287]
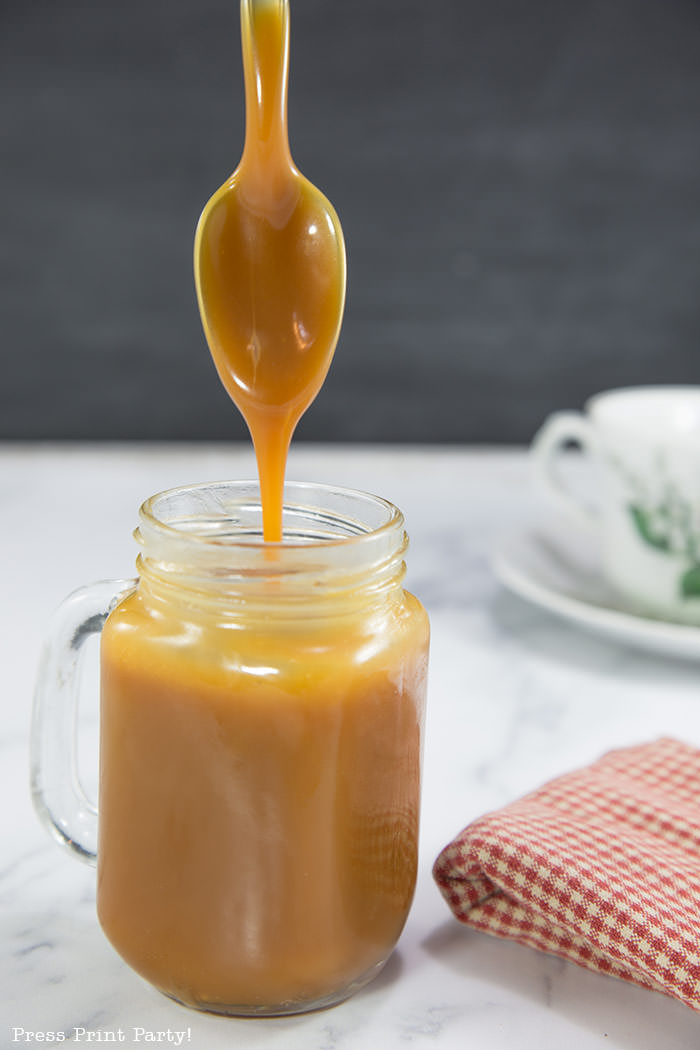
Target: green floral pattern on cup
[690, 582]
[665, 520]
[668, 527]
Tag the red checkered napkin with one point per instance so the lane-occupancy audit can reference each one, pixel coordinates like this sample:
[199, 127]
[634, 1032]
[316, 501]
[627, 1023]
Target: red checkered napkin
[600, 866]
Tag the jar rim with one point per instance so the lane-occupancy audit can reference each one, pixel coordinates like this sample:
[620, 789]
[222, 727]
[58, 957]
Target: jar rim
[207, 539]
[390, 518]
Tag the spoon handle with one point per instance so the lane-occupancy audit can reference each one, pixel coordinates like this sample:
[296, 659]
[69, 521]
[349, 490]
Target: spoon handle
[265, 44]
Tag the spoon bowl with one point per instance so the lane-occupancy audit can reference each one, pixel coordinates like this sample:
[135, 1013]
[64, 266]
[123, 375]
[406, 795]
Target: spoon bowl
[270, 276]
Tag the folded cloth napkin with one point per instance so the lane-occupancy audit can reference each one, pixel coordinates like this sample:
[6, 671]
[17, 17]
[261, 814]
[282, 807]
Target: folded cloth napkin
[600, 866]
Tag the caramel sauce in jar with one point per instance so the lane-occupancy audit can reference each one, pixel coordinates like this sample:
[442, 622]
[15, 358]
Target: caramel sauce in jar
[260, 750]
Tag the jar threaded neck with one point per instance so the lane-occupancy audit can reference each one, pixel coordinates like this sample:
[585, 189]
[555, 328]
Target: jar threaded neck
[340, 546]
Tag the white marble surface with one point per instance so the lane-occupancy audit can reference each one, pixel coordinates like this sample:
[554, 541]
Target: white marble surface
[515, 697]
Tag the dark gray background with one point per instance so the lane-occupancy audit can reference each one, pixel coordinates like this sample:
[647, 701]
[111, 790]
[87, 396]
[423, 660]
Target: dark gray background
[518, 183]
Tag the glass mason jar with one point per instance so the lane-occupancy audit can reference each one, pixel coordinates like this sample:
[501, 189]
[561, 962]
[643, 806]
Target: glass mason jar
[260, 745]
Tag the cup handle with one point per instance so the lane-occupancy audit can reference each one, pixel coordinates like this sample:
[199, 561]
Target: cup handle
[59, 799]
[557, 431]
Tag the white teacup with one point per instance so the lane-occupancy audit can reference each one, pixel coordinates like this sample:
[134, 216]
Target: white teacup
[645, 444]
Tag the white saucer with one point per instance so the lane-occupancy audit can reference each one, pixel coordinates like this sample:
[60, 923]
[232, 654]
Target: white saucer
[566, 580]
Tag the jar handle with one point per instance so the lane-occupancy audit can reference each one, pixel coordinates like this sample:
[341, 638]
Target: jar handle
[59, 799]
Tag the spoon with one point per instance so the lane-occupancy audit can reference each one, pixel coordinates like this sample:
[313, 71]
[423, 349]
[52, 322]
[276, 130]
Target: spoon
[269, 260]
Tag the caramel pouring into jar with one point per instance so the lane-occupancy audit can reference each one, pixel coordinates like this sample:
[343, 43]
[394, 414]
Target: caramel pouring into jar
[269, 266]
